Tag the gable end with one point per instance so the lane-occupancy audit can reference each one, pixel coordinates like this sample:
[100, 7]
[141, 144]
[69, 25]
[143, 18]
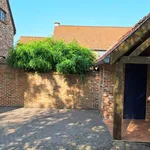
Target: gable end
[12, 20]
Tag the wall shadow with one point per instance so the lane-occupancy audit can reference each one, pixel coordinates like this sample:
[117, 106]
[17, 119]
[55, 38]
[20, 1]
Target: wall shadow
[53, 90]
[48, 90]
[59, 129]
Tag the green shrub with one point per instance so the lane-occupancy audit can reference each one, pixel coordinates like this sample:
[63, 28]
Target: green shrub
[74, 59]
[36, 56]
[50, 55]
[66, 67]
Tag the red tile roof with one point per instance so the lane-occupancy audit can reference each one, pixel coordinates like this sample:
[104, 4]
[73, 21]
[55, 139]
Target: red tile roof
[27, 39]
[123, 38]
[93, 37]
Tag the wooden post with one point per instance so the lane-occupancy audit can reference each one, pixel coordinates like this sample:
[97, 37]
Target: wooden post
[118, 100]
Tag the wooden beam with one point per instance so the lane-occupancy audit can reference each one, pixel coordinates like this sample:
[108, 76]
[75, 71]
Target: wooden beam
[135, 60]
[141, 48]
[132, 40]
[118, 101]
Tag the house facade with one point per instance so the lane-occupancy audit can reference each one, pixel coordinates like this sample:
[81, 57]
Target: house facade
[7, 28]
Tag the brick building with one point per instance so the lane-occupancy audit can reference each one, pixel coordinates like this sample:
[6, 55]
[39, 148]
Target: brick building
[7, 28]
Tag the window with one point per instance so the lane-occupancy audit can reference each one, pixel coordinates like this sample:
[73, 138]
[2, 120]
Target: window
[2, 15]
[100, 52]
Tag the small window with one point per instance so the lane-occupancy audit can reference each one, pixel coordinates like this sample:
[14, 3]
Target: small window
[2, 15]
[100, 52]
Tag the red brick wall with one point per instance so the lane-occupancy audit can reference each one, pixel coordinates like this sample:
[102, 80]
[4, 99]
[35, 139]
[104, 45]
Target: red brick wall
[12, 86]
[51, 90]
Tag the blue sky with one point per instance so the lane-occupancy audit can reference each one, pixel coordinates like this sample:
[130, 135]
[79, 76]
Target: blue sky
[37, 17]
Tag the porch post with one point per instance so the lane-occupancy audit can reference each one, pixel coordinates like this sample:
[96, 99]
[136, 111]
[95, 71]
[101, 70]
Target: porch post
[118, 99]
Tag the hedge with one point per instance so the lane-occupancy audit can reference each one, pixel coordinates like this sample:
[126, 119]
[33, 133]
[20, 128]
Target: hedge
[51, 55]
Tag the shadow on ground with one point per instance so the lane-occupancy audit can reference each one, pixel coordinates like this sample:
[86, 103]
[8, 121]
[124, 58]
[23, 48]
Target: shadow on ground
[44, 129]
[58, 129]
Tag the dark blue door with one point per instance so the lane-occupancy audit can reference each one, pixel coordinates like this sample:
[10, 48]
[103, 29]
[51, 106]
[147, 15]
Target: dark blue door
[135, 91]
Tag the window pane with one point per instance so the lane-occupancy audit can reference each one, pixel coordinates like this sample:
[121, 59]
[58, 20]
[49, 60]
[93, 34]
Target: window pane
[2, 15]
[100, 53]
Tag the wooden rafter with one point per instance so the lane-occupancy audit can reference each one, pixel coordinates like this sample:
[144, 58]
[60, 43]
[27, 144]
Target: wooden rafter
[118, 100]
[135, 60]
[130, 42]
[141, 48]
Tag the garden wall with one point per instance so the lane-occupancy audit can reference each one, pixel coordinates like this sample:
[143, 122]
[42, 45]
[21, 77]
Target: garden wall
[48, 90]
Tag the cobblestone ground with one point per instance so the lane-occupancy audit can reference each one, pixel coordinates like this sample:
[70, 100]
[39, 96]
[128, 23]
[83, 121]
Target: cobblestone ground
[44, 129]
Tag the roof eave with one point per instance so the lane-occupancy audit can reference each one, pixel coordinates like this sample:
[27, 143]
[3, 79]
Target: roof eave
[11, 16]
[112, 48]
[106, 60]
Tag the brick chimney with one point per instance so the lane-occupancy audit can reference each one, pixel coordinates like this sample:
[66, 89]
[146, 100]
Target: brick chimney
[56, 24]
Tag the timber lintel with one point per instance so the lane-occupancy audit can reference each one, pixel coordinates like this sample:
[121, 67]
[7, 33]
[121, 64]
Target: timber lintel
[135, 60]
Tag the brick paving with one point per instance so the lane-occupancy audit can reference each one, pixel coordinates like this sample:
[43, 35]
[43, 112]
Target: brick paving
[133, 130]
[44, 129]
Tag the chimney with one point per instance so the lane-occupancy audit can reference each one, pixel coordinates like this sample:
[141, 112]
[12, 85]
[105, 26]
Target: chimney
[56, 24]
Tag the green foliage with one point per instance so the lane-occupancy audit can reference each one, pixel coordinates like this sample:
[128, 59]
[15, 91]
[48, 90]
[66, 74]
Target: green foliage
[36, 56]
[50, 55]
[74, 59]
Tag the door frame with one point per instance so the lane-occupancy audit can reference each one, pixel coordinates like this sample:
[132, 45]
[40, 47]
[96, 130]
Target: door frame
[119, 88]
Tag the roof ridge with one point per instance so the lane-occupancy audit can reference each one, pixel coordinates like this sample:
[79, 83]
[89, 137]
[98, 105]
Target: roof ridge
[33, 36]
[94, 26]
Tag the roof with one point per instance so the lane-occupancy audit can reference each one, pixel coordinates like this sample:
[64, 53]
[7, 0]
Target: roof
[27, 39]
[123, 38]
[11, 16]
[93, 37]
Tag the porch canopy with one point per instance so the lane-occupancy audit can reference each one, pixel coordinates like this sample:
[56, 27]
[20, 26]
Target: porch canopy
[132, 48]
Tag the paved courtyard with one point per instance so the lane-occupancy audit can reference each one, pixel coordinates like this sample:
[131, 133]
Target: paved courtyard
[44, 129]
